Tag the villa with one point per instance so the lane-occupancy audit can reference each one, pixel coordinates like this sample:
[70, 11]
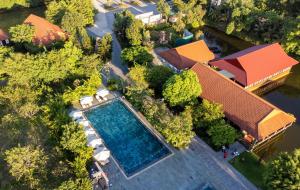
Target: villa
[148, 15]
[258, 119]
[186, 56]
[4, 39]
[256, 66]
[45, 32]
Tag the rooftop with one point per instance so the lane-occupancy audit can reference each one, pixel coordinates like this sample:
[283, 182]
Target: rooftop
[248, 111]
[184, 57]
[45, 32]
[256, 63]
[3, 35]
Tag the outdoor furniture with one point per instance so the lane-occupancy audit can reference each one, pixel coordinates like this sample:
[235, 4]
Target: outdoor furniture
[75, 114]
[101, 94]
[89, 131]
[94, 143]
[86, 101]
[84, 123]
[101, 155]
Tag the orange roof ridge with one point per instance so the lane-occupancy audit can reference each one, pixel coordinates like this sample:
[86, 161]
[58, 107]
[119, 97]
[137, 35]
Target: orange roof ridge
[241, 107]
[188, 55]
[45, 31]
[238, 86]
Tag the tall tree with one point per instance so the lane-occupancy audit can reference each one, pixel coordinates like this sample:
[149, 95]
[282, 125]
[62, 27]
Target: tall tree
[164, 8]
[134, 32]
[284, 171]
[27, 164]
[104, 47]
[182, 88]
[22, 33]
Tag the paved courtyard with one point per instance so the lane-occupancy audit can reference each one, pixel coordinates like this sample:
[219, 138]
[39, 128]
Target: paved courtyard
[187, 169]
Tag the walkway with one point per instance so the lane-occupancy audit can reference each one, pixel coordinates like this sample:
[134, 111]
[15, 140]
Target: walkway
[187, 169]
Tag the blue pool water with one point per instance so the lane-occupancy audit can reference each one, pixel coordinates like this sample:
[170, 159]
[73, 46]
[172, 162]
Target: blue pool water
[130, 142]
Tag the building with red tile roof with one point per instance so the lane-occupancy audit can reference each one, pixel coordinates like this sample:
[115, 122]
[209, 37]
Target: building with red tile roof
[4, 38]
[257, 65]
[184, 57]
[255, 116]
[45, 32]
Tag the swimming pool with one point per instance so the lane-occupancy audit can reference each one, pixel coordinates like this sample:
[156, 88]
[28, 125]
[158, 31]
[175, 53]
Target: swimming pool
[132, 145]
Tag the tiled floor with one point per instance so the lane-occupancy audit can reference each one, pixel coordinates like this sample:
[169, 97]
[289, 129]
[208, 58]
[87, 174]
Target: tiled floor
[187, 169]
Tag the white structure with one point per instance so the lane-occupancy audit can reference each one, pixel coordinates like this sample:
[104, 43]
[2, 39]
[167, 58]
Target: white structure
[101, 154]
[101, 94]
[75, 114]
[149, 18]
[148, 14]
[86, 101]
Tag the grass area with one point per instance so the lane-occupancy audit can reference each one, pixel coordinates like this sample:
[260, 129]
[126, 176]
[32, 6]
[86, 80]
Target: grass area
[248, 165]
[15, 17]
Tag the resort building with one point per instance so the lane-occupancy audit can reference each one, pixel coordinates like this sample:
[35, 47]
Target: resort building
[258, 119]
[256, 66]
[4, 39]
[186, 56]
[45, 32]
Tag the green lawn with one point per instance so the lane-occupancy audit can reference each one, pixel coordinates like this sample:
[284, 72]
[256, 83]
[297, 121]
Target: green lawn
[248, 165]
[14, 17]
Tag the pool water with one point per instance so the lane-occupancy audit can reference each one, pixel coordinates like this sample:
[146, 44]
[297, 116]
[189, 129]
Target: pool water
[132, 145]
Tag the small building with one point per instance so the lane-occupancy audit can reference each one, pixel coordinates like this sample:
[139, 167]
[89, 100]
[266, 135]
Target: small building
[256, 66]
[148, 15]
[186, 56]
[258, 119]
[4, 39]
[45, 32]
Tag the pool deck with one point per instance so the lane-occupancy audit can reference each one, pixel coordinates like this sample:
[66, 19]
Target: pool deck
[187, 169]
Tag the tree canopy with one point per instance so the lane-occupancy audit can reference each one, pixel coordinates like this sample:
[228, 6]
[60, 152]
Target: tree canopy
[182, 88]
[136, 54]
[22, 33]
[284, 171]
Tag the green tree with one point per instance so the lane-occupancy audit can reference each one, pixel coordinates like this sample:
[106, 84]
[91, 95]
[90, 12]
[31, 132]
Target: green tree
[27, 164]
[291, 41]
[73, 138]
[138, 75]
[179, 25]
[77, 184]
[194, 17]
[157, 76]
[284, 171]
[136, 54]
[207, 114]
[22, 33]
[221, 133]
[182, 88]
[134, 32]
[104, 47]
[164, 8]
[178, 130]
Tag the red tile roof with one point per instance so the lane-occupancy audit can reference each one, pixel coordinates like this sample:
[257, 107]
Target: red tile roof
[248, 111]
[3, 35]
[184, 57]
[45, 32]
[255, 63]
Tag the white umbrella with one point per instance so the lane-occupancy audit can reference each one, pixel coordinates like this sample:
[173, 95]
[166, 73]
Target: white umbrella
[84, 123]
[86, 100]
[102, 92]
[76, 114]
[95, 143]
[101, 154]
[89, 131]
